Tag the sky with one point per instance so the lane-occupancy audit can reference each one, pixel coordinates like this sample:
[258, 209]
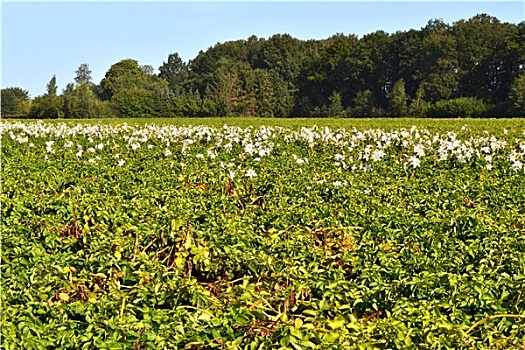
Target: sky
[42, 39]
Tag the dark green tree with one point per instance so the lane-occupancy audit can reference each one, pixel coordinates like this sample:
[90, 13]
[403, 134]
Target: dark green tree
[437, 72]
[174, 71]
[15, 102]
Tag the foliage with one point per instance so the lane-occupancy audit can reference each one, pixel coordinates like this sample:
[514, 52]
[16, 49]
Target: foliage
[517, 95]
[52, 86]
[458, 107]
[120, 236]
[80, 102]
[83, 74]
[47, 107]
[398, 100]
[15, 102]
[122, 75]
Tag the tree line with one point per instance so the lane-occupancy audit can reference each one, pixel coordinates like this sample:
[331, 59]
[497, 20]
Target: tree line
[471, 68]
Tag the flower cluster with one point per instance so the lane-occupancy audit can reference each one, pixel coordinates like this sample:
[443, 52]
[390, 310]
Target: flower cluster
[242, 148]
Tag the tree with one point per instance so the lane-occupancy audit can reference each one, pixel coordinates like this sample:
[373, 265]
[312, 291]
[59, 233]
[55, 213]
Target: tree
[398, 99]
[173, 67]
[437, 72]
[80, 102]
[48, 105]
[335, 108]
[419, 106]
[83, 74]
[70, 101]
[126, 74]
[363, 104]
[8, 102]
[148, 69]
[15, 102]
[174, 72]
[52, 86]
[517, 95]
[487, 63]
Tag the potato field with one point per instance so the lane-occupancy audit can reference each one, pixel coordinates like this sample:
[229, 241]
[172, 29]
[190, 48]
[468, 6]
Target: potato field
[159, 236]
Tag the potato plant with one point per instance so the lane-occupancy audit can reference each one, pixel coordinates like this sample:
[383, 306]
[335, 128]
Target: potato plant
[198, 237]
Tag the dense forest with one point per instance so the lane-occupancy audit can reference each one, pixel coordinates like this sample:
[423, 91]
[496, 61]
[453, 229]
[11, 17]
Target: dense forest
[472, 68]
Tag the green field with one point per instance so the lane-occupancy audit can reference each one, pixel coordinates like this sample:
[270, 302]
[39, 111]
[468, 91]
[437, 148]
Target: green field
[266, 234]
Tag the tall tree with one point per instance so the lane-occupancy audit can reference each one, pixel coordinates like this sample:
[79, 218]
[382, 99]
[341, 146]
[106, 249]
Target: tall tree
[52, 87]
[174, 71]
[83, 74]
[49, 105]
[485, 61]
[437, 72]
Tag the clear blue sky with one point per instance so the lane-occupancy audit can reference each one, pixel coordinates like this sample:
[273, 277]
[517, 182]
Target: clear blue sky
[40, 39]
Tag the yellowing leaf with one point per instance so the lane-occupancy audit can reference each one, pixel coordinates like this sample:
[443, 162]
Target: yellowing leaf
[63, 296]
[334, 324]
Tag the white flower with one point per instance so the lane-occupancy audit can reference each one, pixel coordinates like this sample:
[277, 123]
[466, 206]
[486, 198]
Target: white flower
[367, 191]
[100, 146]
[516, 166]
[485, 149]
[200, 155]
[31, 145]
[419, 150]
[231, 174]
[121, 162]
[90, 150]
[414, 162]
[251, 173]
[377, 155]
[79, 154]
[167, 153]
[49, 147]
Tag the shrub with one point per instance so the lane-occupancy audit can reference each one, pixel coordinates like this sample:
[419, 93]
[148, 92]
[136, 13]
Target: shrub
[458, 107]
